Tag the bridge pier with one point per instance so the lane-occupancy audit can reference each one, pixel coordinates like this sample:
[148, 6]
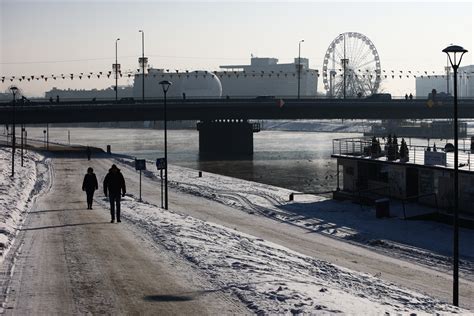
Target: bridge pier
[224, 137]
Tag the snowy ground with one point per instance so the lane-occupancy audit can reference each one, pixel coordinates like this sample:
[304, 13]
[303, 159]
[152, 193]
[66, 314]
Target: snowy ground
[422, 242]
[18, 193]
[339, 126]
[272, 278]
[267, 277]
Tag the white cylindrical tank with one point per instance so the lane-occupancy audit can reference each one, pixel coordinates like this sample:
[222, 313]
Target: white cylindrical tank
[194, 84]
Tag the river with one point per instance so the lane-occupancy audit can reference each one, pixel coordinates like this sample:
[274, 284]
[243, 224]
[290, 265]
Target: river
[295, 160]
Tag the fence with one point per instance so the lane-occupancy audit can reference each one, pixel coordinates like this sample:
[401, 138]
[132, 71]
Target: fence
[361, 147]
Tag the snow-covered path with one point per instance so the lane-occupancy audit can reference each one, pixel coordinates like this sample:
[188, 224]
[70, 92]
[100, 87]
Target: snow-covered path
[74, 261]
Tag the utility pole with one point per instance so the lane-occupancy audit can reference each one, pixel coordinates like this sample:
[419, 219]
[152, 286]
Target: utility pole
[344, 62]
[116, 70]
[299, 66]
[143, 65]
[14, 91]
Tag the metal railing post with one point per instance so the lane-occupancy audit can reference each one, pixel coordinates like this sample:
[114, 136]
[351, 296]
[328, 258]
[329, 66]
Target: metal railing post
[469, 160]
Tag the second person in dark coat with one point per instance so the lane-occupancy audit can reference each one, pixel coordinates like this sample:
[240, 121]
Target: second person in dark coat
[114, 183]
[90, 185]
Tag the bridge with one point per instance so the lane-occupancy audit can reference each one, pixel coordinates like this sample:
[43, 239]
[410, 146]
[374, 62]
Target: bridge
[219, 109]
[224, 123]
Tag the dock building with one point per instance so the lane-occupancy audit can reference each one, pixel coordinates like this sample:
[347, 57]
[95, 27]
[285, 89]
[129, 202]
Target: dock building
[373, 168]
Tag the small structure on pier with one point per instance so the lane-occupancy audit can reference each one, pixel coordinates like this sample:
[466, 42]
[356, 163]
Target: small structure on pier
[374, 168]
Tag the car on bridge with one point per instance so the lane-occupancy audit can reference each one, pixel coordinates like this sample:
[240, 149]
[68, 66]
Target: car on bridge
[127, 100]
[379, 96]
[265, 97]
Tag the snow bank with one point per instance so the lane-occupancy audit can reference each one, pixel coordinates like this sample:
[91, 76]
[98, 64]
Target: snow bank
[338, 126]
[422, 242]
[265, 276]
[269, 278]
[16, 194]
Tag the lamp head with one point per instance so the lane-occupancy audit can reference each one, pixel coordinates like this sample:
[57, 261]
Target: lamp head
[165, 84]
[452, 50]
[13, 89]
[118, 39]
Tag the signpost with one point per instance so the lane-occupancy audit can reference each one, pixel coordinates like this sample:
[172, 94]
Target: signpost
[160, 165]
[140, 164]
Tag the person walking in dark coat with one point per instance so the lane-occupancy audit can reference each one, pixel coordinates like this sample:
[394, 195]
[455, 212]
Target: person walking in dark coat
[88, 152]
[113, 184]
[90, 185]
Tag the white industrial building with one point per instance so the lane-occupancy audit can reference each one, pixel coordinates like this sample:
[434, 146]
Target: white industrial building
[265, 76]
[444, 83]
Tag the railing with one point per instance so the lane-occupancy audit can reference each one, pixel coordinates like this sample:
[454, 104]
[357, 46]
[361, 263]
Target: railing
[361, 147]
[138, 99]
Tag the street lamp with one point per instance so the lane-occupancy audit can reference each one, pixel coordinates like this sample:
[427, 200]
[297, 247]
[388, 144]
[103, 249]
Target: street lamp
[14, 90]
[22, 129]
[299, 66]
[116, 70]
[143, 64]
[22, 144]
[165, 84]
[452, 51]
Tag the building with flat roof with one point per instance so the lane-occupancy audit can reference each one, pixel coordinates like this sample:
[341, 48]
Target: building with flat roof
[444, 83]
[265, 76]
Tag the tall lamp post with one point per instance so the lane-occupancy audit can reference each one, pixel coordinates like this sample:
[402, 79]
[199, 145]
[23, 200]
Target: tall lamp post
[299, 66]
[448, 70]
[116, 66]
[14, 90]
[143, 65]
[451, 51]
[165, 84]
[22, 129]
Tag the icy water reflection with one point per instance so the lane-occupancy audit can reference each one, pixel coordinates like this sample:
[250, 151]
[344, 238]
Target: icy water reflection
[294, 160]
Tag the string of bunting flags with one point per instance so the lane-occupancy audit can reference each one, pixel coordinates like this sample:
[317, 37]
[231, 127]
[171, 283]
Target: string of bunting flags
[384, 74]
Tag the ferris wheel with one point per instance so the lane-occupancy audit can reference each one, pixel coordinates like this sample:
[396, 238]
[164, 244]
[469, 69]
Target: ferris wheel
[351, 66]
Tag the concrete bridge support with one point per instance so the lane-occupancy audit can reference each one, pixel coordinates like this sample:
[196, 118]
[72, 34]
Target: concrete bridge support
[224, 137]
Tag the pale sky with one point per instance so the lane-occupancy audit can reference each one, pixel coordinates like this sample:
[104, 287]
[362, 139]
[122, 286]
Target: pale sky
[72, 36]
